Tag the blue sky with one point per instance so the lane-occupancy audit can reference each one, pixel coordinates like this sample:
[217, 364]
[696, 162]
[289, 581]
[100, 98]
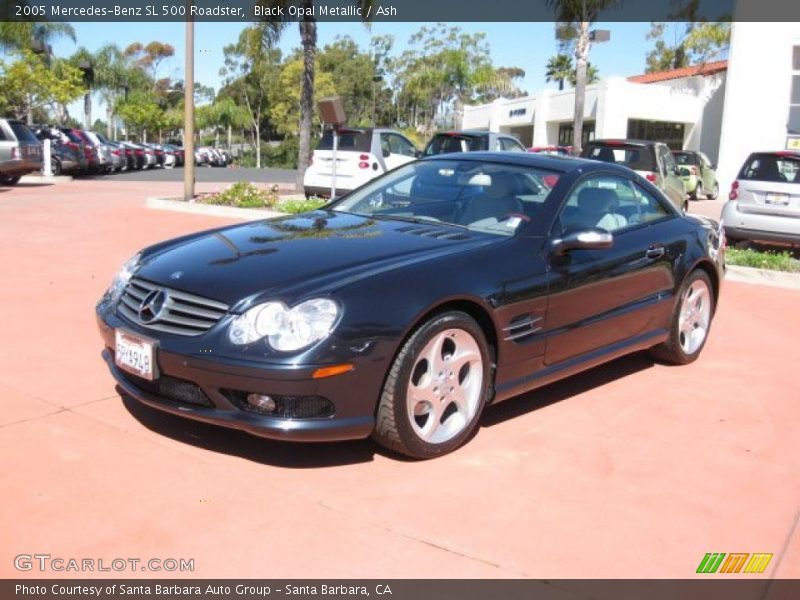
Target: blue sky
[525, 45]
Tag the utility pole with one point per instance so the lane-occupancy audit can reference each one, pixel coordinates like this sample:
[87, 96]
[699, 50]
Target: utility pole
[188, 114]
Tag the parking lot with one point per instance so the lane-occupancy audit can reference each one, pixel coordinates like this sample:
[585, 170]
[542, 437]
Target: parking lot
[633, 469]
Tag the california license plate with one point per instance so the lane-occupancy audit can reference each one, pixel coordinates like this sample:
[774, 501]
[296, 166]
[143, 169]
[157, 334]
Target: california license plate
[779, 199]
[134, 355]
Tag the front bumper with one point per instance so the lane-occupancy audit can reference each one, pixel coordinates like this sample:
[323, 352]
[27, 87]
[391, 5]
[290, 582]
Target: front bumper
[353, 395]
[740, 225]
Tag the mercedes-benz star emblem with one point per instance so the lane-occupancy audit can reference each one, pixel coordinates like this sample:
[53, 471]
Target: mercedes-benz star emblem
[152, 306]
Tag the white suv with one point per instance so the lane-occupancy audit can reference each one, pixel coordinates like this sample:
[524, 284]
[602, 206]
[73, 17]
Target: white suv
[362, 154]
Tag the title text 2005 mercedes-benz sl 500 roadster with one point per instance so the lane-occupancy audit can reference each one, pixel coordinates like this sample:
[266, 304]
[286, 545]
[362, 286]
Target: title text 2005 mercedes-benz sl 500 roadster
[402, 309]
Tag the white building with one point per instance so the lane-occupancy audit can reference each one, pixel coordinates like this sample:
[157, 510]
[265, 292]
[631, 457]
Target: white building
[682, 107]
[726, 109]
[762, 100]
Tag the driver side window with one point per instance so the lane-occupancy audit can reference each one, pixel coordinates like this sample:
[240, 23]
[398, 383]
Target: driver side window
[595, 204]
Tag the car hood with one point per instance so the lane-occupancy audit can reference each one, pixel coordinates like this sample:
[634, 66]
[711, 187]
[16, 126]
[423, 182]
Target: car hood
[287, 257]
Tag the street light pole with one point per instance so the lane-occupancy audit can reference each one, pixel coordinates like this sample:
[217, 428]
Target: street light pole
[188, 114]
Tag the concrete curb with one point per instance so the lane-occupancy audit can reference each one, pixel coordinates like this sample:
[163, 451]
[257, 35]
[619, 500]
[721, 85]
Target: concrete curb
[244, 214]
[42, 179]
[763, 277]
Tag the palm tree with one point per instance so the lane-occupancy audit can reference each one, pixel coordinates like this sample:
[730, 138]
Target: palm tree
[579, 15]
[592, 75]
[559, 68]
[308, 39]
[84, 60]
[16, 35]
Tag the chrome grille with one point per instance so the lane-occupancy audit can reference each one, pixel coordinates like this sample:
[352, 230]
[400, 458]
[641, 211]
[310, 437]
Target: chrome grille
[182, 313]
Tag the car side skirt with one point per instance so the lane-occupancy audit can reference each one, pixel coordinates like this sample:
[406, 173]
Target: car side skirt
[578, 364]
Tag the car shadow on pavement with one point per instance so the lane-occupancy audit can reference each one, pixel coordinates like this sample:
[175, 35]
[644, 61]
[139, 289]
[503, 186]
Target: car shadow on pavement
[291, 455]
[566, 388]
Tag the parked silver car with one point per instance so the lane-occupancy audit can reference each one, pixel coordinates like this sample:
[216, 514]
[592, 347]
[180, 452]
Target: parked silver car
[764, 202]
[20, 151]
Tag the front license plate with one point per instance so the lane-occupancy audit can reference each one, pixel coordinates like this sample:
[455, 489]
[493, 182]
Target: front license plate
[134, 355]
[779, 199]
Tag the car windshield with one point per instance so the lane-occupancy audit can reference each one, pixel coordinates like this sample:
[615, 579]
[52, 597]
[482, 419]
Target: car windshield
[638, 158]
[445, 143]
[781, 168]
[487, 197]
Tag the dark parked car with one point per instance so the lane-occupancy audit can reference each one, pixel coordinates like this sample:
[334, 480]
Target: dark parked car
[652, 160]
[92, 162]
[135, 155]
[472, 141]
[401, 310]
[20, 151]
[65, 156]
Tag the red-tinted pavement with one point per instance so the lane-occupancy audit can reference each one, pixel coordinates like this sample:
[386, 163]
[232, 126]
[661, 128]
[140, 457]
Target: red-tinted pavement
[633, 469]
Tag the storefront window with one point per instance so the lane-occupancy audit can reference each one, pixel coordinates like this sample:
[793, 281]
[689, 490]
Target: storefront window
[566, 133]
[671, 134]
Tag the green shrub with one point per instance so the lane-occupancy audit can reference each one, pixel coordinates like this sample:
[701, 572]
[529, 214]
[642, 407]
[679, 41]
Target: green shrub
[300, 206]
[774, 261]
[243, 194]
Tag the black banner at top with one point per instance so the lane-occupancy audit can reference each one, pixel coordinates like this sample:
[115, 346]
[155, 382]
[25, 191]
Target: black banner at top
[384, 10]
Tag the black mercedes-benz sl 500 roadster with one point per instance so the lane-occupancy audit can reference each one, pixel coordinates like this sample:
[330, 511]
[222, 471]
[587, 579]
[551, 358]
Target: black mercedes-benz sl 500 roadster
[401, 310]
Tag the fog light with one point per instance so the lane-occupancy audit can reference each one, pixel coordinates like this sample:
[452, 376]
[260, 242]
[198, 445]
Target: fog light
[261, 402]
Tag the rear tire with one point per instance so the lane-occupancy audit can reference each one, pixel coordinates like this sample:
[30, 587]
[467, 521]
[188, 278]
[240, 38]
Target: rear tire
[436, 388]
[690, 323]
[56, 168]
[714, 192]
[11, 180]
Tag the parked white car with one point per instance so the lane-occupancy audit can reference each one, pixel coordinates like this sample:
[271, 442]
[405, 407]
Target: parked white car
[362, 154]
[764, 202]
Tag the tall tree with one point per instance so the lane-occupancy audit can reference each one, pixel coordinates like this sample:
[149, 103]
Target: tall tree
[578, 16]
[19, 35]
[308, 39]
[251, 70]
[84, 60]
[28, 85]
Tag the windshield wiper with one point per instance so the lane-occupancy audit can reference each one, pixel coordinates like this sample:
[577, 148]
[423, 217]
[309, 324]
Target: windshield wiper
[419, 219]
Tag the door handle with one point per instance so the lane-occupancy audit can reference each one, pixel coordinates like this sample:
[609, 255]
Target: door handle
[655, 251]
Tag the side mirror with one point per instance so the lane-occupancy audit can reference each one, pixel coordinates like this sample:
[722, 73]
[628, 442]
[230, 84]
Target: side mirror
[418, 153]
[386, 153]
[587, 239]
[683, 172]
[714, 167]
[677, 171]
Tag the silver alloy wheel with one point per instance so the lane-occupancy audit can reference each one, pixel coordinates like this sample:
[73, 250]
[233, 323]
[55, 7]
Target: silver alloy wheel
[445, 386]
[695, 316]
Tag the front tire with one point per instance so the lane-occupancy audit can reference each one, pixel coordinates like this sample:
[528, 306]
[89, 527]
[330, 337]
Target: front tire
[714, 192]
[691, 321]
[436, 388]
[11, 180]
[698, 191]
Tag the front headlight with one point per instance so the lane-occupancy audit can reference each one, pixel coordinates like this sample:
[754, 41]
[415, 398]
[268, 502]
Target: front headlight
[122, 278]
[286, 329]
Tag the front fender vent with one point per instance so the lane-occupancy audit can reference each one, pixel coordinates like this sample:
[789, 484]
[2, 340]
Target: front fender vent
[521, 327]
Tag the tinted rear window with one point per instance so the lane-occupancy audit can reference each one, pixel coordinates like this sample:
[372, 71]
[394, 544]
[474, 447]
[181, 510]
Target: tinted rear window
[445, 143]
[638, 158]
[73, 137]
[21, 132]
[771, 167]
[353, 141]
[684, 158]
